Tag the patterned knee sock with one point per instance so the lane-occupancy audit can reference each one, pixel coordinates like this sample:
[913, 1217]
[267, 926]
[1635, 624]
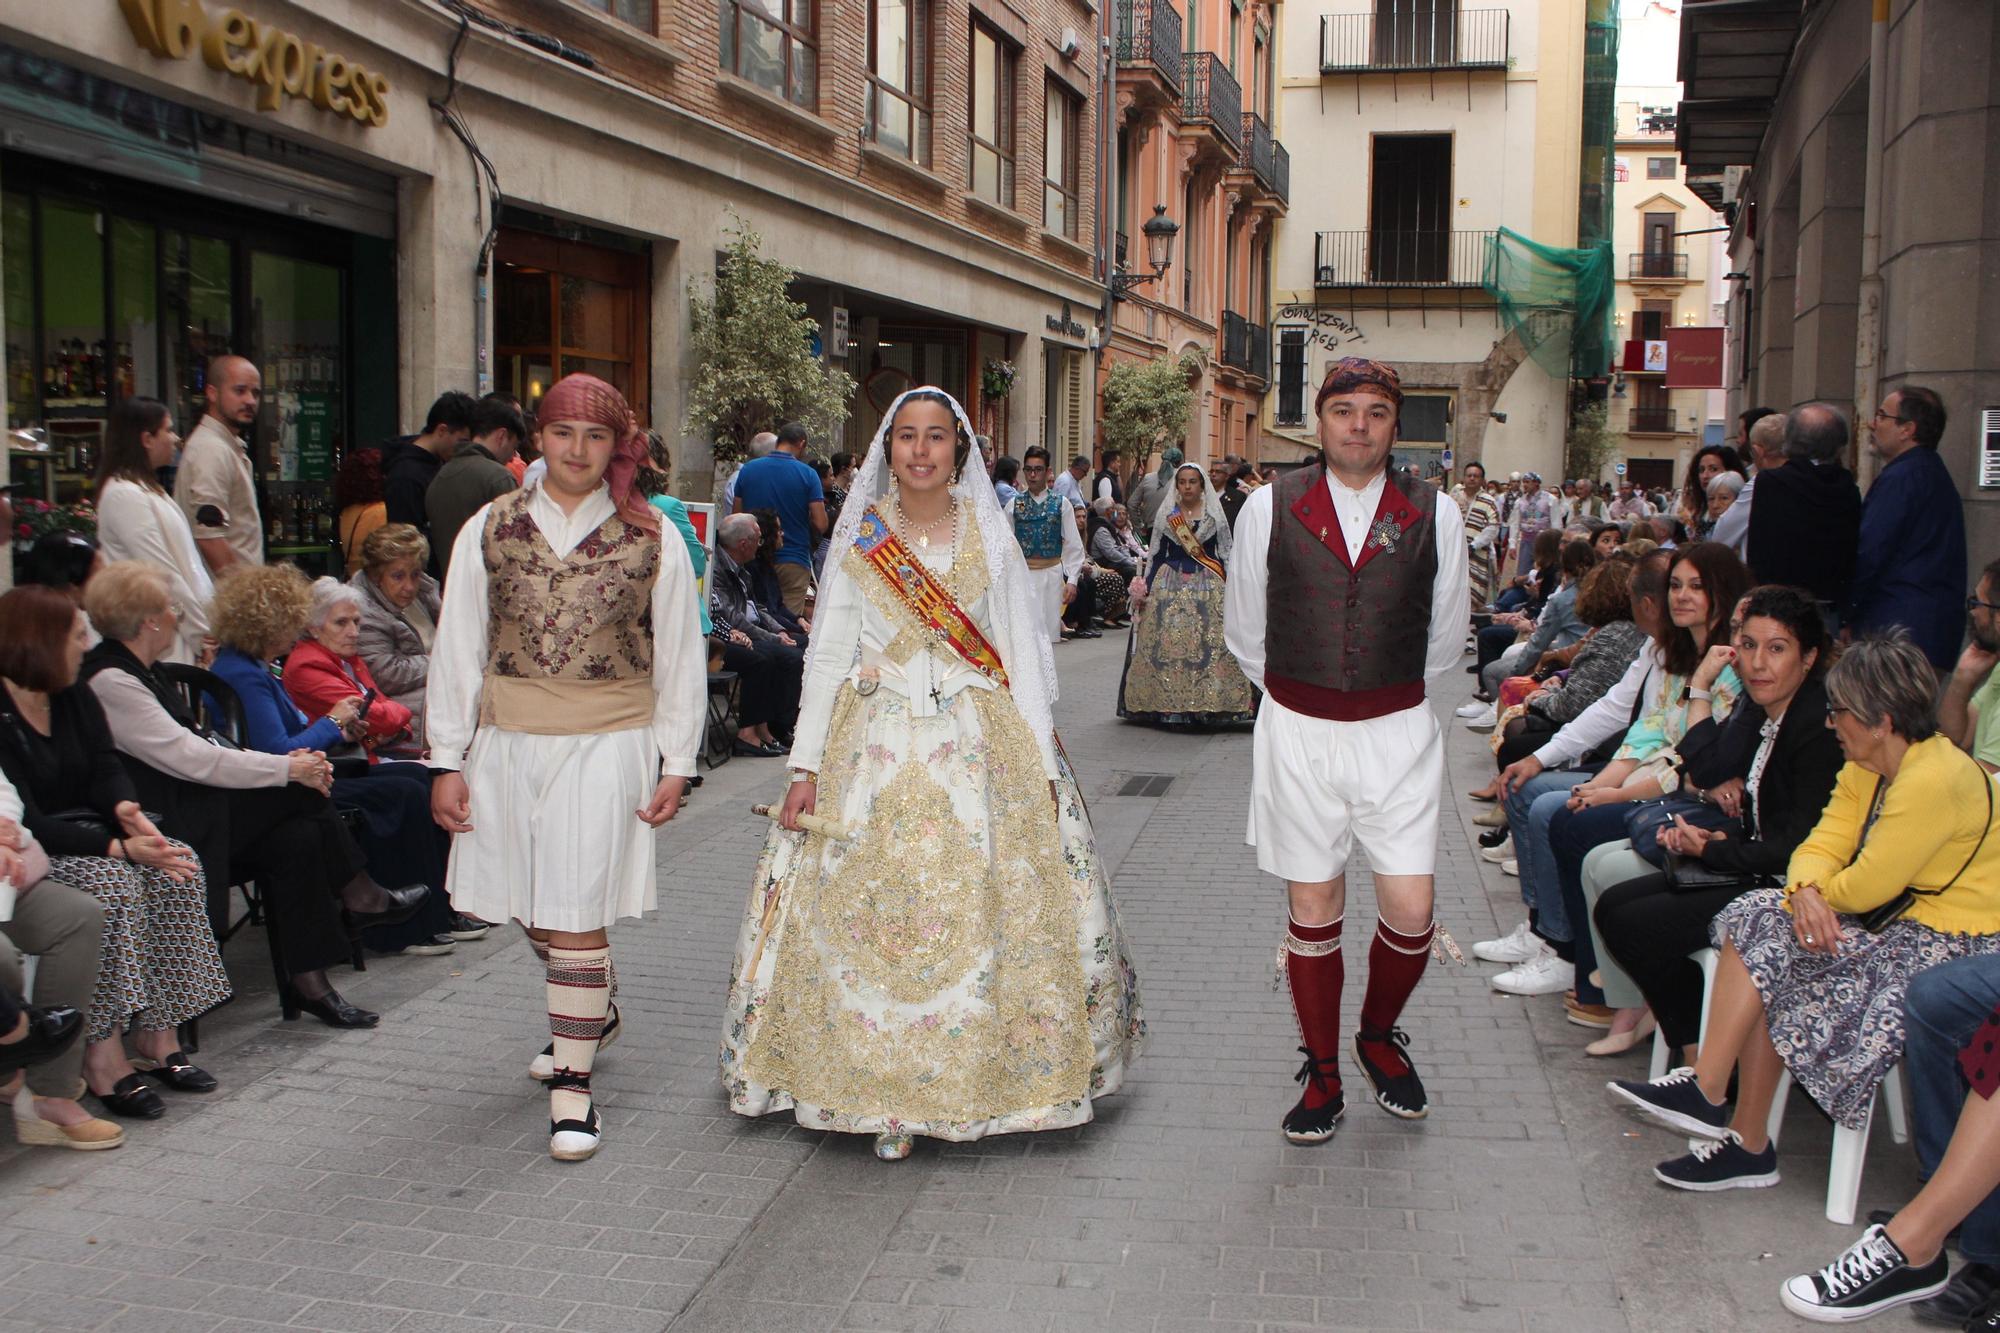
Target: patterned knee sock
[1396, 963]
[579, 997]
[1314, 968]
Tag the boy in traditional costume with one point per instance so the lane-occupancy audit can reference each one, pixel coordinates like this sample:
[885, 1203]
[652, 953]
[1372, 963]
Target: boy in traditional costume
[1346, 597]
[940, 955]
[568, 664]
[1045, 526]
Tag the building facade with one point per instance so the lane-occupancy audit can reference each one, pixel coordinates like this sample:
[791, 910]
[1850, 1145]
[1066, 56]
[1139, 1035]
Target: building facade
[378, 200]
[1429, 127]
[1847, 145]
[1193, 144]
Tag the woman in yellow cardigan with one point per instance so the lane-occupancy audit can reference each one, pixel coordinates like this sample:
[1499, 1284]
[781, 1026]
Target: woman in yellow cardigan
[1803, 984]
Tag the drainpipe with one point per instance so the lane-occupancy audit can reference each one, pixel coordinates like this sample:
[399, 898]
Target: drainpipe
[1868, 318]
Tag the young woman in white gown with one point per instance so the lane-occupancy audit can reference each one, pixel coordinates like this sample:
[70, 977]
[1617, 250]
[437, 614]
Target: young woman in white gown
[945, 958]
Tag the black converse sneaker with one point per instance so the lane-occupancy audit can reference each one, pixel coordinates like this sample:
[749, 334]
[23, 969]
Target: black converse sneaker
[1401, 1095]
[1869, 1277]
[1722, 1165]
[1676, 1101]
[1305, 1124]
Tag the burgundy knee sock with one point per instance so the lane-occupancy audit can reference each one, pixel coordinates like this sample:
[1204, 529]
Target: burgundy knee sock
[1315, 979]
[1396, 963]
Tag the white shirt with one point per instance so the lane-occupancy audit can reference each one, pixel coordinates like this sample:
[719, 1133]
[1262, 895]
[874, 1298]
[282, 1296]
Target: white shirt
[1610, 716]
[1733, 528]
[215, 474]
[135, 522]
[458, 655]
[1067, 486]
[536, 471]
[1246, 599]
[1072, 550]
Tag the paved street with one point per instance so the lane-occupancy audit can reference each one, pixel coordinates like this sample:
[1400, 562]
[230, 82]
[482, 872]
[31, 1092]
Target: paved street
[399, 1179]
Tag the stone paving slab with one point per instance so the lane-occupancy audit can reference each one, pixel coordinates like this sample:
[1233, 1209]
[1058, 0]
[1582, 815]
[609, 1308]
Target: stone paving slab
[399, 1180]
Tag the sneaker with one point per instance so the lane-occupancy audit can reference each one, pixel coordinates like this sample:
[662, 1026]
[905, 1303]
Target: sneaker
[466, 929]
[1675, 1100]
[433, 947]
[1870, 1276]
[1544, 974]
[1516, 946]
[1510, 866]
[1726, 1164]
[1471, 709]
[543, 1067]
[1401, 1095]
[1483, 720]
[1500, 854]
[1303, 1124]
[1494, 836]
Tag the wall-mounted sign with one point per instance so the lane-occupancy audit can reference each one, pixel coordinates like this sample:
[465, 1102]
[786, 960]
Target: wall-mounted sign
[278, 63]
[836, 344]
[1645, 355]
[1989, 448]
[1694, 358]
[1066, 324]
[1328, 329]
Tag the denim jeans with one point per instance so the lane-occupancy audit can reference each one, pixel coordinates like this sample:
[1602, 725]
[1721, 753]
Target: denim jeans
[1572, 834]
[1944, 1008]
[1530, 826]
[1510, 599]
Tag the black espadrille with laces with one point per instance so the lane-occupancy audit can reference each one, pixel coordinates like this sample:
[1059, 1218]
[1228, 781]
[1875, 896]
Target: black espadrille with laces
[1319, 1110]
[1401, 1095]
[574, 1140]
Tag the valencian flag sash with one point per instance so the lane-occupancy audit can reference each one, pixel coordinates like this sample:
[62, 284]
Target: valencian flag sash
[1184, 534]
[925, 598]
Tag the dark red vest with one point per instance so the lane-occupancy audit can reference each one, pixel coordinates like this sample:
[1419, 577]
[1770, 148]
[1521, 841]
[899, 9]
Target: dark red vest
[1348, 641]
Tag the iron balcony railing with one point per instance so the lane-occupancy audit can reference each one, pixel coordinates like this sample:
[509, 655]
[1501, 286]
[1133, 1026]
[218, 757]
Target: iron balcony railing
[1650, 264]
[1260, 156]
[1651, 421]
[1281, 172]
[1245, 345]
[1149, 33]
[1393, 258]
[1211, 93]
[1414, 34]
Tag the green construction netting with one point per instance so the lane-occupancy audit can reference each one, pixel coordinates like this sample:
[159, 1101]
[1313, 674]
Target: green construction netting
[1558, 299]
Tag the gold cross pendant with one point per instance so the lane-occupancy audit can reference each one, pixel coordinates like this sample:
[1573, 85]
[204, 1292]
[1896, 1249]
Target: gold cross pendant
[1322, 534]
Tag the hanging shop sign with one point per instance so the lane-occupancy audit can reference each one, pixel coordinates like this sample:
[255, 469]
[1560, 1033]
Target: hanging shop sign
[279, 64]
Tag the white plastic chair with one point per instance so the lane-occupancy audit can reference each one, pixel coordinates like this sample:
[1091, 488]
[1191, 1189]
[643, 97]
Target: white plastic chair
[1850, 1146]
[1707, 960]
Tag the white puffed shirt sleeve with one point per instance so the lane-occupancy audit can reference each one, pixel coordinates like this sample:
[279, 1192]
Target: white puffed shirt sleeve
[680, 658]
[1450, 593]
[1072, 552]
[836, 645]
[10, 801]
[458, 652]
[1243, 595]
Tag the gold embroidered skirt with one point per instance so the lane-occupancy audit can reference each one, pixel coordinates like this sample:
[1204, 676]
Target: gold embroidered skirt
[953, 967]
[1177, 667]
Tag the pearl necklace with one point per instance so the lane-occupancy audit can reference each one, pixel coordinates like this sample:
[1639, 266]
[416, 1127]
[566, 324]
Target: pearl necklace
[923, 538]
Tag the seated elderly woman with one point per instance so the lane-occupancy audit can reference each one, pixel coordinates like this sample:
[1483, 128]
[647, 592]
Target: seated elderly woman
[399, 611]
[246, 814]
[1901, 873]
[259, 615]
[326, 667]
[158, 967]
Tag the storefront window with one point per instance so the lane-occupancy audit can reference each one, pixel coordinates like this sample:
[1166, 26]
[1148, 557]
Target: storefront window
[135, 293]
[17, 271]
[295, 323]
[199, 303]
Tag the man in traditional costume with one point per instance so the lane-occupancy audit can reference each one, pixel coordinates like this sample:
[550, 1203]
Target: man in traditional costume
[1347, 597]
[569, 662]
[1045, 526]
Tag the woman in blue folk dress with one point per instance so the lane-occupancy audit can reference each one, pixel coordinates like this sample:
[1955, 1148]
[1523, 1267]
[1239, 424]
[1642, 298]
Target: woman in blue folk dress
[1177, 669]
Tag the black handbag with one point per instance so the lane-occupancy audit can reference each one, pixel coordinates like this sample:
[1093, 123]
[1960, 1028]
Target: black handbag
[1878, 919]
[1690, 874]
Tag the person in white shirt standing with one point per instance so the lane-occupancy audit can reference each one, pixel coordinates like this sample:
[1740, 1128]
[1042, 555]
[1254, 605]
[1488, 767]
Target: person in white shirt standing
[1045, 525]
[214, 486]
[1346, 599]
[566, 695]
[138, 520]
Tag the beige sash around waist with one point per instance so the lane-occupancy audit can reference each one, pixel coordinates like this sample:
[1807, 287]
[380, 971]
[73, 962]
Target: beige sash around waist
[1044, 561]
[546, 707]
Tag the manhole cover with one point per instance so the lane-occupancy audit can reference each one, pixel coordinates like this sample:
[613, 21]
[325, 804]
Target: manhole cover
[1146, 784]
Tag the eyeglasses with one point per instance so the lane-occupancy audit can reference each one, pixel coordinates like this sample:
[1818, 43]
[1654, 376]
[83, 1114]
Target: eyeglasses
[1880, 415]
[1974, 604]
[1835, 710]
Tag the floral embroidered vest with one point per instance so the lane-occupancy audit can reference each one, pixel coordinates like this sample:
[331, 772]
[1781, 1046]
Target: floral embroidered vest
[1038, 524]
[569, 641]
[1342, 641]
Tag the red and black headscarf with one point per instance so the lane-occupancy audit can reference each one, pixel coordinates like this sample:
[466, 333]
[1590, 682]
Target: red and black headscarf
[1353, 374]
[588, 398]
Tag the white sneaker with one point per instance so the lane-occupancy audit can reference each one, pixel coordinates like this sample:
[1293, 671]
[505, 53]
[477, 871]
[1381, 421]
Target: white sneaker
[1499, 856]
[1472, 709]
[1544, 974]
[1483, 720]
[1510, 866]
[1517, 946]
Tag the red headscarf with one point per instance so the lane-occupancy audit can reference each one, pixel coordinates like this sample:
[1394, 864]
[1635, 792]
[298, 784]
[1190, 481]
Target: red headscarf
[588, 398]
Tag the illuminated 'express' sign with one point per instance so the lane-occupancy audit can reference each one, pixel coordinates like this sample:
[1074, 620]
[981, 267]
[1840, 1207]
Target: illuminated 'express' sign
[278, 63]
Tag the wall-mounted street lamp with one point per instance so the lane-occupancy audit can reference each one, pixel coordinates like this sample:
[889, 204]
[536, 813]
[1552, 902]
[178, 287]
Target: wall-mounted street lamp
[1159, 233]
